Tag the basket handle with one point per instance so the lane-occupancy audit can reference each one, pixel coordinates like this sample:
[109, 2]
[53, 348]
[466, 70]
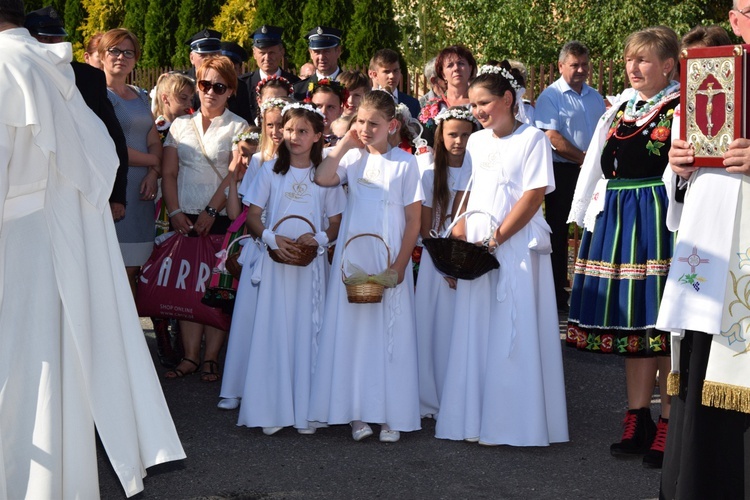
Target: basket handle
[387, 249]
[493, 221]
[294, 217]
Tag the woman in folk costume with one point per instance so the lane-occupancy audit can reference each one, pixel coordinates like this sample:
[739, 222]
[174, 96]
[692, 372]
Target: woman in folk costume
[73, 361]
[366, 370]
[505, 327]
[289, 305]
[626, 248]
[705, 306]
[435, 296]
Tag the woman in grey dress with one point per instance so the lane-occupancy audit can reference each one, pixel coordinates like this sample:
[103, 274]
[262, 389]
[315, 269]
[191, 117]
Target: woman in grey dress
[119, 51]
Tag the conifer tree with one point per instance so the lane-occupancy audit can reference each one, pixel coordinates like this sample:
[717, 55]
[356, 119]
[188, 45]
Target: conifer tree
[74, 18]
[235, 21]
[160, 24]
[103, 15]
[135, 15]
[372, 28]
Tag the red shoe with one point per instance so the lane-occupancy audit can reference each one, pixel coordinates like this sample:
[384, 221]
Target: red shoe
[655, 455]
[638, 433]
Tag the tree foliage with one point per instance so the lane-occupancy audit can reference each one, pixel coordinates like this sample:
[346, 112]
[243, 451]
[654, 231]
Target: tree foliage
[74, 17]
[103, 15]
[235, 21]
[160, 26]
[372, 27]
[135, 16]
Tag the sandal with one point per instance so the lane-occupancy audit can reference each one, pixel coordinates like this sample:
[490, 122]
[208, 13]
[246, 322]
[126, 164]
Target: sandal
[177, 373]
[212, 374]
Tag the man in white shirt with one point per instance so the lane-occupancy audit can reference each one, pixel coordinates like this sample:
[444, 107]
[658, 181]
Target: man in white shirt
[567, 111]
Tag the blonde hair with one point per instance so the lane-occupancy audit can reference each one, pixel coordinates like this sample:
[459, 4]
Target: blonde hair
[172, 84]
[660, 40]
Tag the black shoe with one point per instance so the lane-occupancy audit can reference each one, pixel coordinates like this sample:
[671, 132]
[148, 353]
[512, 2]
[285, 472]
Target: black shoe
[638, 434]
[655, 455]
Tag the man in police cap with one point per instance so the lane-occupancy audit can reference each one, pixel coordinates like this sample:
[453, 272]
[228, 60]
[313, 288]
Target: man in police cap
[47, 27]
[324, 44]
[268, 52]
[204, 44]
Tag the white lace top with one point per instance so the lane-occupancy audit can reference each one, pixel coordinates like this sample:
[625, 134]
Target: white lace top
[197, 181]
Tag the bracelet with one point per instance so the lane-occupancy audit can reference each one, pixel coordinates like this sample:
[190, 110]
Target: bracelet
[175, 212]
[211, 211]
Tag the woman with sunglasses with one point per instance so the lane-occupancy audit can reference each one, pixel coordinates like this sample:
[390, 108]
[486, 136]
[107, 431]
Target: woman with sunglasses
[119, 51]
[197, 155]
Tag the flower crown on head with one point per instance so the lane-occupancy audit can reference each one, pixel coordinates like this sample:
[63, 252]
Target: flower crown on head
[274, 102]
[499, 70]
[456, 114]
[300, 105]
[280, 79]
[402, 111]
[246, 136]
[337, 88]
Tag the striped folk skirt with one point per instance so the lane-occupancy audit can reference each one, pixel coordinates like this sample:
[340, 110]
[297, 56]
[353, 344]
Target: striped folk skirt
[621, 271]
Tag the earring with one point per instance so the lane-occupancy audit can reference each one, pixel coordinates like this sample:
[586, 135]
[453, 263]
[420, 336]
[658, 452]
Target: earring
[392, 131]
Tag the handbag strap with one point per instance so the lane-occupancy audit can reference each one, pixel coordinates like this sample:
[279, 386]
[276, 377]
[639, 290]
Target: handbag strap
[203, 150]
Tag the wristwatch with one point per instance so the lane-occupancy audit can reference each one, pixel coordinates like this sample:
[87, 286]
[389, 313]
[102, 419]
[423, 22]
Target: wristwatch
[211, 211]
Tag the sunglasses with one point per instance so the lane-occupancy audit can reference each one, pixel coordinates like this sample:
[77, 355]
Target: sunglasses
[205, 86]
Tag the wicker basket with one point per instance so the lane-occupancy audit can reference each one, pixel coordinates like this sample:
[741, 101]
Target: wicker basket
[364, 293]
[305, 254]
[231, 264]
[461, 259]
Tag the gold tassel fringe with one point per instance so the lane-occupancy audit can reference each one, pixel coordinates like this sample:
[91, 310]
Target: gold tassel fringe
[725, 396]
[673, 383]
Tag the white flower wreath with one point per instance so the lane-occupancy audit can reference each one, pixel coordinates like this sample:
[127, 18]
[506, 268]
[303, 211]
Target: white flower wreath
[246, 136]
[499, 70]
[458, 114]
[300, 105]
[274, 102]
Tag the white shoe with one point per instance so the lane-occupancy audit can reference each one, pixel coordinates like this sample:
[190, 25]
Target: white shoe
[270, 431]
[361, 432]
[389, 436]
[229, 404]
[472, 440]
[307, 431]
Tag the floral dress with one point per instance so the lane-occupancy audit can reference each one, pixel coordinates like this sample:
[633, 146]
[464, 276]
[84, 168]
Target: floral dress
[622, 265]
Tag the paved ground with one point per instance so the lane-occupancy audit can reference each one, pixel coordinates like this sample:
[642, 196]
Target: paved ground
[229, 462]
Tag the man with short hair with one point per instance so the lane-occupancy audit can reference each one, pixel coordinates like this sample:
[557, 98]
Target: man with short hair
[437, 85]
[204, 44]
[268, 52]
[385, 73]
[567, 111]
[324, 44]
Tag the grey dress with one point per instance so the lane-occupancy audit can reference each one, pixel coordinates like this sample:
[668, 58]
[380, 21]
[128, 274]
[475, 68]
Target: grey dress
[136, 231]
